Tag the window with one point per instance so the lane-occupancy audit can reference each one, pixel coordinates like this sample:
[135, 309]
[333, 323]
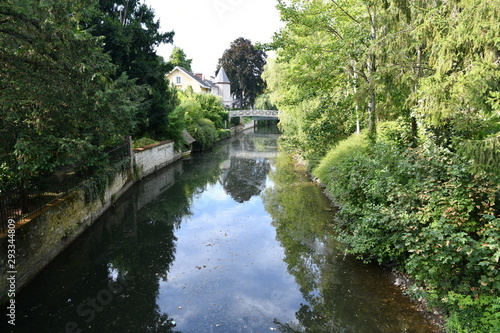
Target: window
[178, 80]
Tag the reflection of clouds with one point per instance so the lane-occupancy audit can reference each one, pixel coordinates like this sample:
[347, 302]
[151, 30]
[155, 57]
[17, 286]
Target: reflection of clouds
[230, 268]
[113, 272]
[216, 193]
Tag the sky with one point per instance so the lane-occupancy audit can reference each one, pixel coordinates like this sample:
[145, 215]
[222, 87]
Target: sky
[204, 29]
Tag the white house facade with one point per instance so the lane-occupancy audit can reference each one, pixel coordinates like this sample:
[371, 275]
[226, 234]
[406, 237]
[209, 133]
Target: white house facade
[218, 86]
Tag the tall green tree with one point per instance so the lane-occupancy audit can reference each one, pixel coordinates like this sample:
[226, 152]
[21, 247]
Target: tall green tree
[131, 35]
[179, 58]
[459, 102]
[59, 101]
[244, 65]
[321, 82]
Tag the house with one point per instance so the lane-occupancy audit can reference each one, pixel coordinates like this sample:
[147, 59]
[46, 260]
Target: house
[218, 86]
[221, 86]
[182, 79]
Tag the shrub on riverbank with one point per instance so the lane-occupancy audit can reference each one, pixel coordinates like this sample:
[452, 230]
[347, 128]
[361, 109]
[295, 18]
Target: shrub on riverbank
[223, 134]
[425, 211]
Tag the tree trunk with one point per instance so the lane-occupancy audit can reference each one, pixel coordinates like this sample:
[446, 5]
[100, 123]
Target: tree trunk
[414, 125]
[372, 107]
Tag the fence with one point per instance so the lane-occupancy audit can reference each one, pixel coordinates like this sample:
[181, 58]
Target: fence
[18, 203]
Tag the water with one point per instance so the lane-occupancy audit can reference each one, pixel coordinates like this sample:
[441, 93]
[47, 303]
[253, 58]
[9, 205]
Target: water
[234, 240]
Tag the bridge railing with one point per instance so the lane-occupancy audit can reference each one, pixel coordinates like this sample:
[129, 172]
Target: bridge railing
[254, 113]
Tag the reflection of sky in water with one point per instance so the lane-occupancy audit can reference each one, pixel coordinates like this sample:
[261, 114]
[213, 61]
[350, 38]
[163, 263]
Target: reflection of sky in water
[223, 266]
[230, 270]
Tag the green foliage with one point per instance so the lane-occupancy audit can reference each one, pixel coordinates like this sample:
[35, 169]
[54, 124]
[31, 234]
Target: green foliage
[175, 125]
[355, 144]
[204, 132]
[478, 315]
[212, 109]
[60, 102]
[179, 58]
[201, 115]
[422, 190]
[131, 36]
[433, 64]
[263, 102]
[313, 117]
[396, 132]
[143, 142]
[484, 153]
[223, 134]
[95, 187]
[235, 121]
[424, 210]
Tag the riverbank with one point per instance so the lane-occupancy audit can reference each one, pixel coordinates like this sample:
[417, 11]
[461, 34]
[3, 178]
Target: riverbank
[425, 211]
[39, 238]
[233, 239]
[405, 283]
[402, 281]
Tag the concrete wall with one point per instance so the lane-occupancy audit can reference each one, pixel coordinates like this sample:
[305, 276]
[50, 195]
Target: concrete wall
[151, 187]
[150, 158]
[240, 128]
[42, 236]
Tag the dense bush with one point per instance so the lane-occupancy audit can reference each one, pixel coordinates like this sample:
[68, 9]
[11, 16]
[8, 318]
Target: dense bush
[424, 210]
[223, 134]
[203, 116]
[205, 133]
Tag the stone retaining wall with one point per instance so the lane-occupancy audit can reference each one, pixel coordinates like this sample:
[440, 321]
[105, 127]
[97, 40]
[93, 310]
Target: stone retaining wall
[39, 238]
[150, 158]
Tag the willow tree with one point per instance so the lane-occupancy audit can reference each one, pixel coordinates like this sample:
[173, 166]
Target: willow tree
[460, 100]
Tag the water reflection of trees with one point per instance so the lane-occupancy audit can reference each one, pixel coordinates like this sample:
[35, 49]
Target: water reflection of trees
[301, 216]
[245, 178]
[134, 241]
[149, 256]
[342, 294]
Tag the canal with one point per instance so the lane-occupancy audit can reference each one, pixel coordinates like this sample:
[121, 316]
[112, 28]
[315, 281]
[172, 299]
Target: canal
[237, 239]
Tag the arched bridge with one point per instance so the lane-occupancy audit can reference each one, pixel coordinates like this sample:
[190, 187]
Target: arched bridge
[259, 114]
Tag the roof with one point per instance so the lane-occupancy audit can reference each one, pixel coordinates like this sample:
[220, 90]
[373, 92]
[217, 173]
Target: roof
[187, 137]
[222, 76]
[194, 77]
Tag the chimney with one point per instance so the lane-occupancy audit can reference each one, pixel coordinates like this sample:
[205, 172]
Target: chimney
[199, 76]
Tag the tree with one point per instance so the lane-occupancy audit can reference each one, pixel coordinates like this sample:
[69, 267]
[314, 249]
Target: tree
[319, 81]
[179, 58]
[244, 65]
[131, 35]
[435, 64]
[59, 104]
[459, 101]
[201, 115]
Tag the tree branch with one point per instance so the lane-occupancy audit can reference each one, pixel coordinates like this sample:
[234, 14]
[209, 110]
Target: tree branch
[345, 12]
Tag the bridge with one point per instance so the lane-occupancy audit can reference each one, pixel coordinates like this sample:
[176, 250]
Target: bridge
[256, 114]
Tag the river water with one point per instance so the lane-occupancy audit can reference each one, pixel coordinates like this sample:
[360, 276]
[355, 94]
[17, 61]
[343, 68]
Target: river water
[237, 239]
